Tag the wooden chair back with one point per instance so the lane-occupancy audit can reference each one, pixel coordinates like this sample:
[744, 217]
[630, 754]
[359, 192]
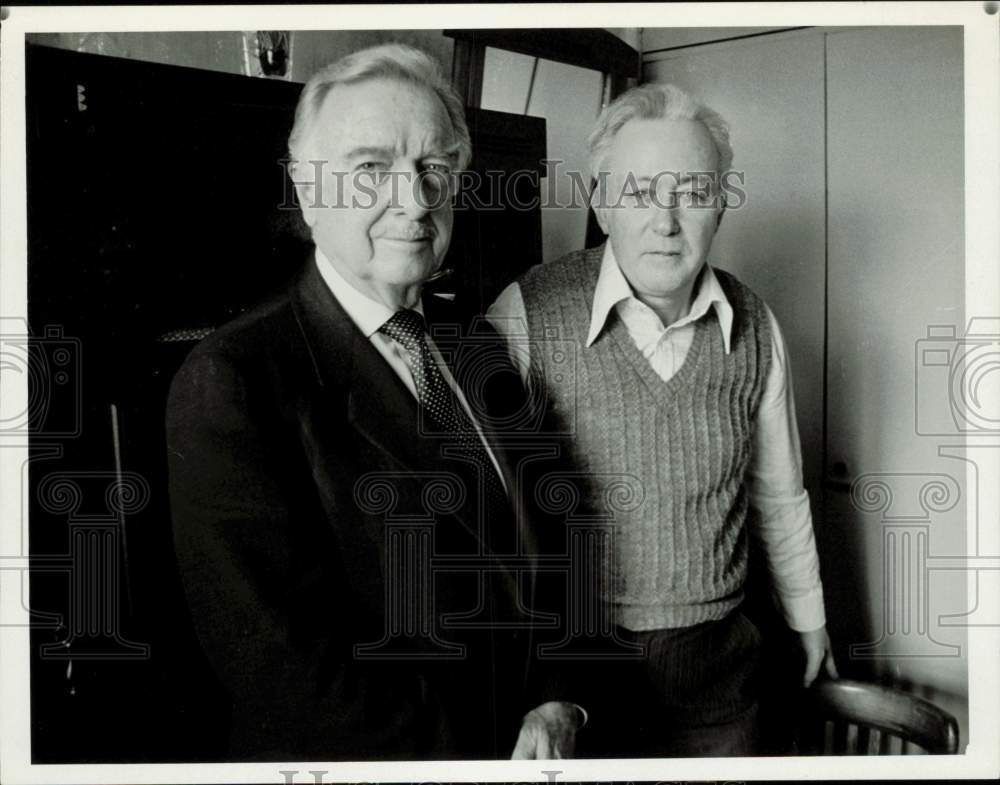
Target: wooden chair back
[845, 717]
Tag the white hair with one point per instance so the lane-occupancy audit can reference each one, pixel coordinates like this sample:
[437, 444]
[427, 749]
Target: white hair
[655, 102]
[386, 61]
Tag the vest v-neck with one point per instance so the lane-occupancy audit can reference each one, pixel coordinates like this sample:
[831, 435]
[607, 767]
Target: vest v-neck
[660, 389]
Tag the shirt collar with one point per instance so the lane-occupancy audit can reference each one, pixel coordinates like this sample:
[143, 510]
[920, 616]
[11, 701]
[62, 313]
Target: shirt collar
[368, 314]
[613, 288]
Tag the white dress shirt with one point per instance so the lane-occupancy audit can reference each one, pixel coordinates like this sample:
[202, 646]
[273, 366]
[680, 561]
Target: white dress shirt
[369, 315]
[774, 477]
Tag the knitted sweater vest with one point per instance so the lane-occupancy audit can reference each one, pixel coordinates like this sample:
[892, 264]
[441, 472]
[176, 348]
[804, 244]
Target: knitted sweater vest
[680, 548]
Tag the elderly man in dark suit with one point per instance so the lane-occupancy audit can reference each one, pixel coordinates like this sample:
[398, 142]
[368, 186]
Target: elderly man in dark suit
[313, 438]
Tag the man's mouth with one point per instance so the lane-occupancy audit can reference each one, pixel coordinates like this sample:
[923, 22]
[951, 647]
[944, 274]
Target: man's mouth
[415, 236]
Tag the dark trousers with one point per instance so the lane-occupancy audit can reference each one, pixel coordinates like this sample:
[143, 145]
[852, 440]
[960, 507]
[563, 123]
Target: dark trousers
[692, 694]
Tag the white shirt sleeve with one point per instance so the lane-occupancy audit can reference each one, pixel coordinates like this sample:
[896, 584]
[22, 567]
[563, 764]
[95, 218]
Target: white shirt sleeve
[510, 320]
[774, 480]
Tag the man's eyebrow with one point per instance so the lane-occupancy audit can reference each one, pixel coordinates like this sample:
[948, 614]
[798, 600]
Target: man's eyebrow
[699, 178]
[676, 178]
[450, 152]
[659, 177]
[375, 152]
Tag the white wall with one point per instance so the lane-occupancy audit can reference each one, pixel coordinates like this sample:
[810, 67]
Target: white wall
[771, 93]
[851, 142]
[657, 39]
[896, 266]
[569, 98]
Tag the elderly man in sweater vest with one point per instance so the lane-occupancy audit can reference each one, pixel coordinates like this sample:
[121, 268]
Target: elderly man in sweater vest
[682, 381]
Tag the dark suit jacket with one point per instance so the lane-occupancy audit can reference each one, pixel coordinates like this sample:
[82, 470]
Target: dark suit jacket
[297, 466]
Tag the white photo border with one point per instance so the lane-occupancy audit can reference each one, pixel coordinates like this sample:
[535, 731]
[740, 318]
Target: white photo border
[982, 208]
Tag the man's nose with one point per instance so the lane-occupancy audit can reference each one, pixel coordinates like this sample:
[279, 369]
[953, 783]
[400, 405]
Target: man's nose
[665, 219]
[411, 196]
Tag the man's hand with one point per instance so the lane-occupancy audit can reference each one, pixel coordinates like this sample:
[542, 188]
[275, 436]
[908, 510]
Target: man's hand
[548, 731]
[816, 645]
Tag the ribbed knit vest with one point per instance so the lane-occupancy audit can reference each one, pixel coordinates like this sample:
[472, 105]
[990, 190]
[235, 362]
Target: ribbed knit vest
[680, 556]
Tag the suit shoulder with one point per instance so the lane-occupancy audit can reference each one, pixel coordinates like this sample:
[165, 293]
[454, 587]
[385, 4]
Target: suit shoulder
[248, 335]
[243, 351]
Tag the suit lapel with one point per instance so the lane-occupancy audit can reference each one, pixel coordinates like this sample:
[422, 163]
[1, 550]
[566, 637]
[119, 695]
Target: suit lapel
[379, 406]
[453, 336]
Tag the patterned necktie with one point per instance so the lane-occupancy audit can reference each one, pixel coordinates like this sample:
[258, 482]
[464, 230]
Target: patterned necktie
[441, 405]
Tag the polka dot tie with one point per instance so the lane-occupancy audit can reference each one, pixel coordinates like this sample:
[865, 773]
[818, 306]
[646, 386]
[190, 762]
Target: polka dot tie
[436, 397]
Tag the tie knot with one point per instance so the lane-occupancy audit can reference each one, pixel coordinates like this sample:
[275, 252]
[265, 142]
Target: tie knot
[406, 327]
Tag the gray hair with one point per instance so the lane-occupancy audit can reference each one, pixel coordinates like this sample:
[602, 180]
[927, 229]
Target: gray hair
[655, 102]
[386, 61]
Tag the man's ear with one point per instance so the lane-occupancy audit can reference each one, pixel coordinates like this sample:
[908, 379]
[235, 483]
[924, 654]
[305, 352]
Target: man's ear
[305, 190]
[722, 212]
[600, 211]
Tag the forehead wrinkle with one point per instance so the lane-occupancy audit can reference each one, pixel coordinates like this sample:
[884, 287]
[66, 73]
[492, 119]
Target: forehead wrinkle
[647, 147]
[368, 150]
[415, 126]
[434, 140]
[396, 152]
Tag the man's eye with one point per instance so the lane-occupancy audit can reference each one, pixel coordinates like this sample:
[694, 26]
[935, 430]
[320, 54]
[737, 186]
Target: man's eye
[438, 167]
[695, 198]
[372, 172]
